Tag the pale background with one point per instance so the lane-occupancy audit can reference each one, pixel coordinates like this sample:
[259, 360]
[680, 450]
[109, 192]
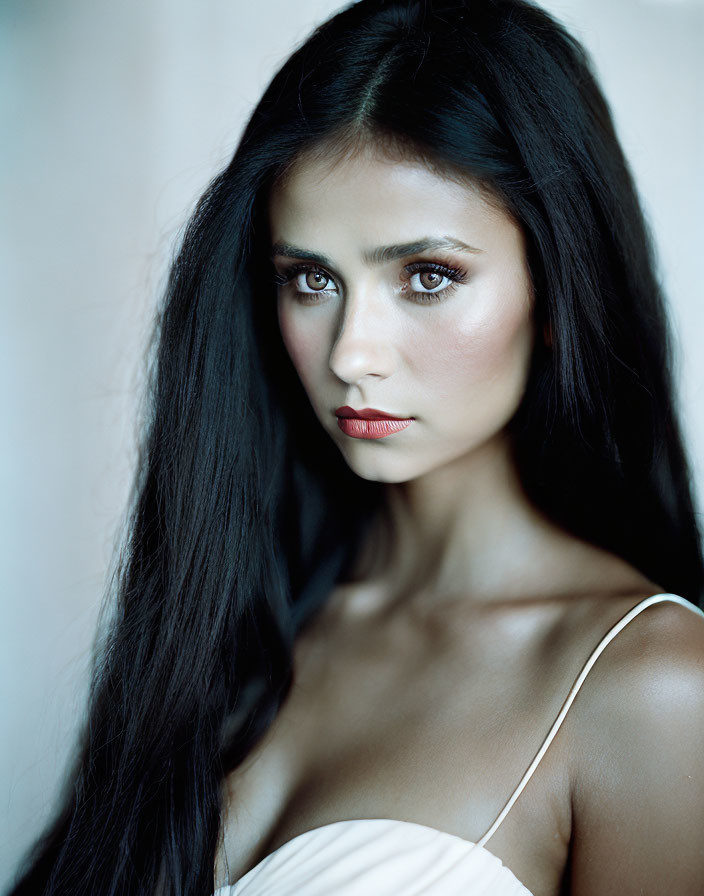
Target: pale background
[114, 116]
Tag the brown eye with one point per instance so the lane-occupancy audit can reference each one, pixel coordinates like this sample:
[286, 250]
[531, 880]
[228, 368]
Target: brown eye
[424, 282]
[316, 280]
[430, 279]
[312, 280]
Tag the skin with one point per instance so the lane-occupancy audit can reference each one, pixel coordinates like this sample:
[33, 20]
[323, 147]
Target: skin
[457, 364]
[424, 688]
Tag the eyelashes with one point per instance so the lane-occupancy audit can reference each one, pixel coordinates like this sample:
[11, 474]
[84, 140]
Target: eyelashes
[306, 278]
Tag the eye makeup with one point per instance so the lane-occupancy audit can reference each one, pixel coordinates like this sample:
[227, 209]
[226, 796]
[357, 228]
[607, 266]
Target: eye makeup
[300, 271]
[296, 274]
[455, 276]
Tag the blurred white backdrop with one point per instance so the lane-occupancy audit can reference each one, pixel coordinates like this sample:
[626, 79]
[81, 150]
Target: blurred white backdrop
[114, 118]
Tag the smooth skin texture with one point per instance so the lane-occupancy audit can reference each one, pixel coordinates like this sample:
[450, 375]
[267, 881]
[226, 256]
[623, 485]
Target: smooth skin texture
[423, 689]
[455, 358]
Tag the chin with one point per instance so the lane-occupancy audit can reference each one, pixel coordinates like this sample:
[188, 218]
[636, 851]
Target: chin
[392, 468]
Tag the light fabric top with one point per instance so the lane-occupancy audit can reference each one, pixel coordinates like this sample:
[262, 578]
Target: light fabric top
[386, 857]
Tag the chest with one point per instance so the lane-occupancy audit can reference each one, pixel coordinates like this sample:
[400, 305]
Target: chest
[430, 727]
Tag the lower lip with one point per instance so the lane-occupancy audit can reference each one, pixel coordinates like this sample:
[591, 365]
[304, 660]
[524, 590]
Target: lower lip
[371, 429]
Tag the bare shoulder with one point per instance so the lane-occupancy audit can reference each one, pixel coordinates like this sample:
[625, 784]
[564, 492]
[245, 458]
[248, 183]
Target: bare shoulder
[658, 654]
[638, 760]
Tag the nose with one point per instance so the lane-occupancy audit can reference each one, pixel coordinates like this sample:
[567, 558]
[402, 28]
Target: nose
[363, 345]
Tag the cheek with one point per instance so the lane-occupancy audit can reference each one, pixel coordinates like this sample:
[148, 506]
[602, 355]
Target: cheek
[304, 344]
[480, 364]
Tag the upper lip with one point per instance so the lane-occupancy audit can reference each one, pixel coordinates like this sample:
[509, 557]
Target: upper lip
[366, 414]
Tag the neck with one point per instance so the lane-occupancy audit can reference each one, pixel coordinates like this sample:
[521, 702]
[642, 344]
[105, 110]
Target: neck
[466, 528]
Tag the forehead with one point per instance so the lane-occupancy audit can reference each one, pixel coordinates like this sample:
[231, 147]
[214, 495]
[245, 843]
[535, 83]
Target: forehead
[371, 196]
[367, 169]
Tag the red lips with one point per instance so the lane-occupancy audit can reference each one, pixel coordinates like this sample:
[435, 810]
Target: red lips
[366, 414]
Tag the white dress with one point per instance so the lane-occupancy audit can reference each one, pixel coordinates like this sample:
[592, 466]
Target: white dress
[386, 857]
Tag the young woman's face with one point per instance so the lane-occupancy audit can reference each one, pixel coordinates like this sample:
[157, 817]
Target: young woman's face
[406, 293]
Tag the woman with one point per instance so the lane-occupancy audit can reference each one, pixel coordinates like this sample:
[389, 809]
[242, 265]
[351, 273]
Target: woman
[347, 651]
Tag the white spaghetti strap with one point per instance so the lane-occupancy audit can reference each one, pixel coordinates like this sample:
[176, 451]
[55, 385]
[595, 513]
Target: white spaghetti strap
[610, 635]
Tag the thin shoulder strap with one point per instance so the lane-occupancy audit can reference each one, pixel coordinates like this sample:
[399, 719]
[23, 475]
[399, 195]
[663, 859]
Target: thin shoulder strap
[608, 637]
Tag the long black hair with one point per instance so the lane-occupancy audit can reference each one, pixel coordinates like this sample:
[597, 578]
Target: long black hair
[235, 536]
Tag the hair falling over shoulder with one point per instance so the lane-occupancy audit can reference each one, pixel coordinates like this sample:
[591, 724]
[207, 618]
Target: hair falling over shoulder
[236, 536]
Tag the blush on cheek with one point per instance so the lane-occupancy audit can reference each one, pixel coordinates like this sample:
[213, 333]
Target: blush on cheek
[479, 366]
[498, 350]
[303, 344]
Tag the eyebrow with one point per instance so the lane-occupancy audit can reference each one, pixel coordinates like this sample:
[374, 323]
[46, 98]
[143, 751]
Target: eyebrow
[381, 254]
